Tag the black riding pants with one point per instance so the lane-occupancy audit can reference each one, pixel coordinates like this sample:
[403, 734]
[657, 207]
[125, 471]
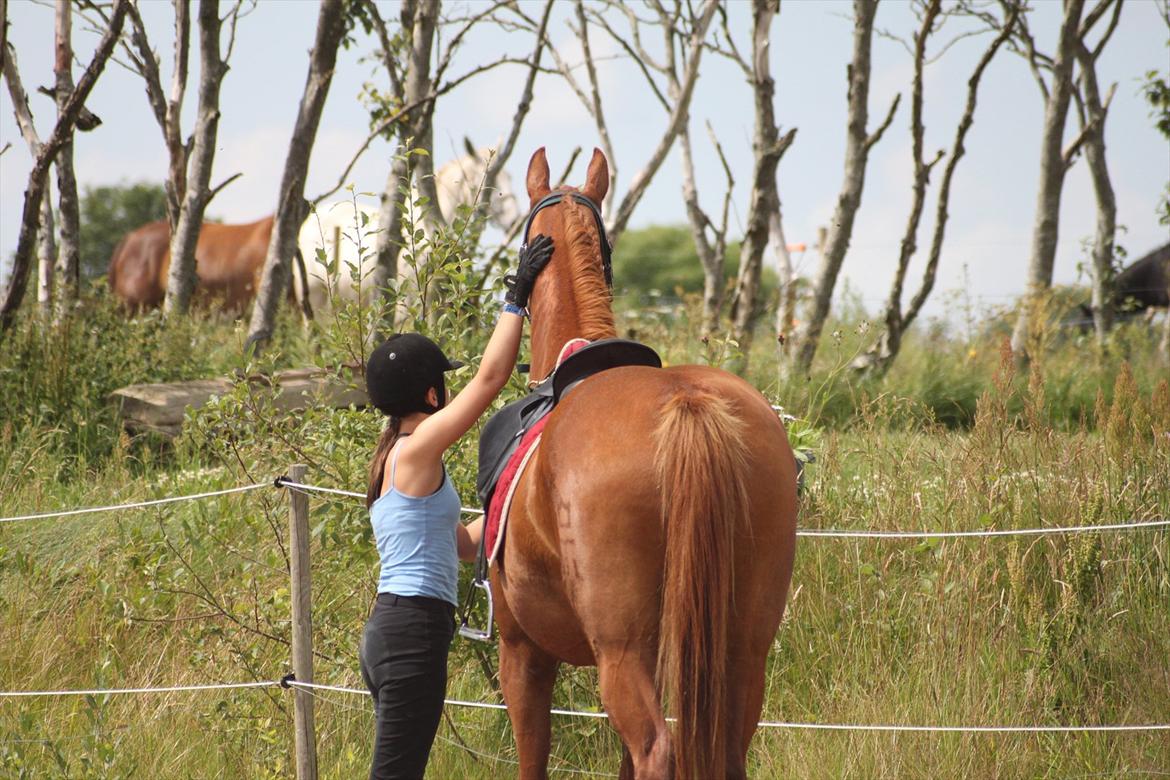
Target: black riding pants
[404, 663]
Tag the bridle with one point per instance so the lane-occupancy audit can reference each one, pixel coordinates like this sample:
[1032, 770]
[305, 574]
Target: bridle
[556, 197]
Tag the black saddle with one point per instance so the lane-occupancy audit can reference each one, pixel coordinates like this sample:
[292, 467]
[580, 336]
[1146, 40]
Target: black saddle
[502, 433]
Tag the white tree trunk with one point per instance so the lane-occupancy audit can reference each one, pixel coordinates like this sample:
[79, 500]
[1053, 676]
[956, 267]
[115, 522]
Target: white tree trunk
[1046, 224]
[1102, 298]
[291, 208]
[857, 146]
[181, 276]
[46, 256]
[421, 17]
[786, 276]
[46, 243]
[68, 267]
[418, 83]
[710, 257]
[882, 353]
[767, 149]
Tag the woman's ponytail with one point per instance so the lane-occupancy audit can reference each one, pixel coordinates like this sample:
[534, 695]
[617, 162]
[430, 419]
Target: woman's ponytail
[378, 465]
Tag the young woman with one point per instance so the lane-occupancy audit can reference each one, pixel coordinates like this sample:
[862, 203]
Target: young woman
[414, 511]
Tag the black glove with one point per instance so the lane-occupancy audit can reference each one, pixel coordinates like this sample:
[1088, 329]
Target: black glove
[534, 256]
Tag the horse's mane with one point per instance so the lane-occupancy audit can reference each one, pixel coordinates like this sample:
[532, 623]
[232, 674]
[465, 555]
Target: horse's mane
[590, 292]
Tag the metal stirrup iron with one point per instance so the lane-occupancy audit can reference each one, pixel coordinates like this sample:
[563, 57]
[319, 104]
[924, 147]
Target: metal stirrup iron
[479, 582]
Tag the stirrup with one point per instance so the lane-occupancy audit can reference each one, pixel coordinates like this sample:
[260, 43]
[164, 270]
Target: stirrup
[468, 632]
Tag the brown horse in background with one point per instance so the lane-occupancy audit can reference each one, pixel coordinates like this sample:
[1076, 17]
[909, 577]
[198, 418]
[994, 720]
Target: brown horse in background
[229, 260]
[652, 535]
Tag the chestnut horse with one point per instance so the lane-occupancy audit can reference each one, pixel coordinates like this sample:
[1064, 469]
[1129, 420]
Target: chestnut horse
[652, 534]
[228, 262]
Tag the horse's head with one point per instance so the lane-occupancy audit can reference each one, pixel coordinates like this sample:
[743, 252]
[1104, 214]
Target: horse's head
[571, 298]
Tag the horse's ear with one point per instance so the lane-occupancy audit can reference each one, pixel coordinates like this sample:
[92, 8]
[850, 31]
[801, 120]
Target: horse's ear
[596, 178]
[470, 148]
[537, 176]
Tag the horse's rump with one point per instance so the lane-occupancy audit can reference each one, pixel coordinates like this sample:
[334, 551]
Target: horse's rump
[640, 463]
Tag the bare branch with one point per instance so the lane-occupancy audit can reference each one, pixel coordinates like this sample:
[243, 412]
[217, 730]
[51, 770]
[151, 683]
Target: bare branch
[641, 180]
[722, 232]
[20, 104]
[595, 93]
[602, 22]
[505, 152]
[732, 52]
[1069, 155]
[147, 66]
[957, 151]
[233, 17]
[395, 117]
[1094, 16]
[951, 43]
[876, 135]
[445, 59]
[387, 50]
[216, 189]
[1096, 52]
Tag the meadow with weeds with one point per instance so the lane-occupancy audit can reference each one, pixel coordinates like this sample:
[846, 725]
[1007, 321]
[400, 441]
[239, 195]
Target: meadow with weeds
[1063, 629]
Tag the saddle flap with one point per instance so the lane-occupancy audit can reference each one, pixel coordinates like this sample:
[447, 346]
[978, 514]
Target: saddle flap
[501, 435]
[600, 356]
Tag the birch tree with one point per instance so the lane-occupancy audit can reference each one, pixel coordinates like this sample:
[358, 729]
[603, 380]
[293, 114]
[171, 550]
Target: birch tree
[1055, 157]
[858, 143]
[1091, 113]
[896, 319]
[291, 207]
[419, 19]
[67, 266]
[768, 146]
[46, 244]
[35, 190]
[199, 153]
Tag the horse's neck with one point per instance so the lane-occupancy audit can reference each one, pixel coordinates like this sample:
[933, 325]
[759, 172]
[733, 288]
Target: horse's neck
[555, 322]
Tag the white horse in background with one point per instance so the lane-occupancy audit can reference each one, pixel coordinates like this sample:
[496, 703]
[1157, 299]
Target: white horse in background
[344, 235]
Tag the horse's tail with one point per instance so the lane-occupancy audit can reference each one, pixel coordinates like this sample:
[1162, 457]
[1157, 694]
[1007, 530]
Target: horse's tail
[699, 456]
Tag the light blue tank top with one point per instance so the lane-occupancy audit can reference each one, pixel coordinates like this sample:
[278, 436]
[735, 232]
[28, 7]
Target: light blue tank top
[416, 540]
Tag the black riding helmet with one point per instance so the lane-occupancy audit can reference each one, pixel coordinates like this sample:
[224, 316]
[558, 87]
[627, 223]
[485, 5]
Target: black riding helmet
[402, 369]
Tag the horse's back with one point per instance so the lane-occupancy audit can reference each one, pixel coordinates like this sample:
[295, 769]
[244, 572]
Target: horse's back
[230, 258]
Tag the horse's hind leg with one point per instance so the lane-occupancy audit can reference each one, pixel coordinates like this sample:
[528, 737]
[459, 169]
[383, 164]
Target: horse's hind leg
[527, 675]
[631, 700]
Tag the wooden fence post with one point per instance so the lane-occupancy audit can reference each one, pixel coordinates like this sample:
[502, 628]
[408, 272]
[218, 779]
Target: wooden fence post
[302, 626]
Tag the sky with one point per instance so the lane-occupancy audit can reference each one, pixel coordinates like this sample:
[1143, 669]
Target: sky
[992, 204]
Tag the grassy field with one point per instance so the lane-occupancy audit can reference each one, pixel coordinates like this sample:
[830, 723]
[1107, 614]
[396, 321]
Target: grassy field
[1012, 631]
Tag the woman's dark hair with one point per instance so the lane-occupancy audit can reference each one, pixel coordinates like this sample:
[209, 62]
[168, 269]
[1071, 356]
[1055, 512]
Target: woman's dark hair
[386, 443]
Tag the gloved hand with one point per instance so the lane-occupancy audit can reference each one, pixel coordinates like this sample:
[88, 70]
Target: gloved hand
[533, 258]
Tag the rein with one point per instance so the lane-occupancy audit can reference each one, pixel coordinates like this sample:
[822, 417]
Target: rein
[556, 197]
